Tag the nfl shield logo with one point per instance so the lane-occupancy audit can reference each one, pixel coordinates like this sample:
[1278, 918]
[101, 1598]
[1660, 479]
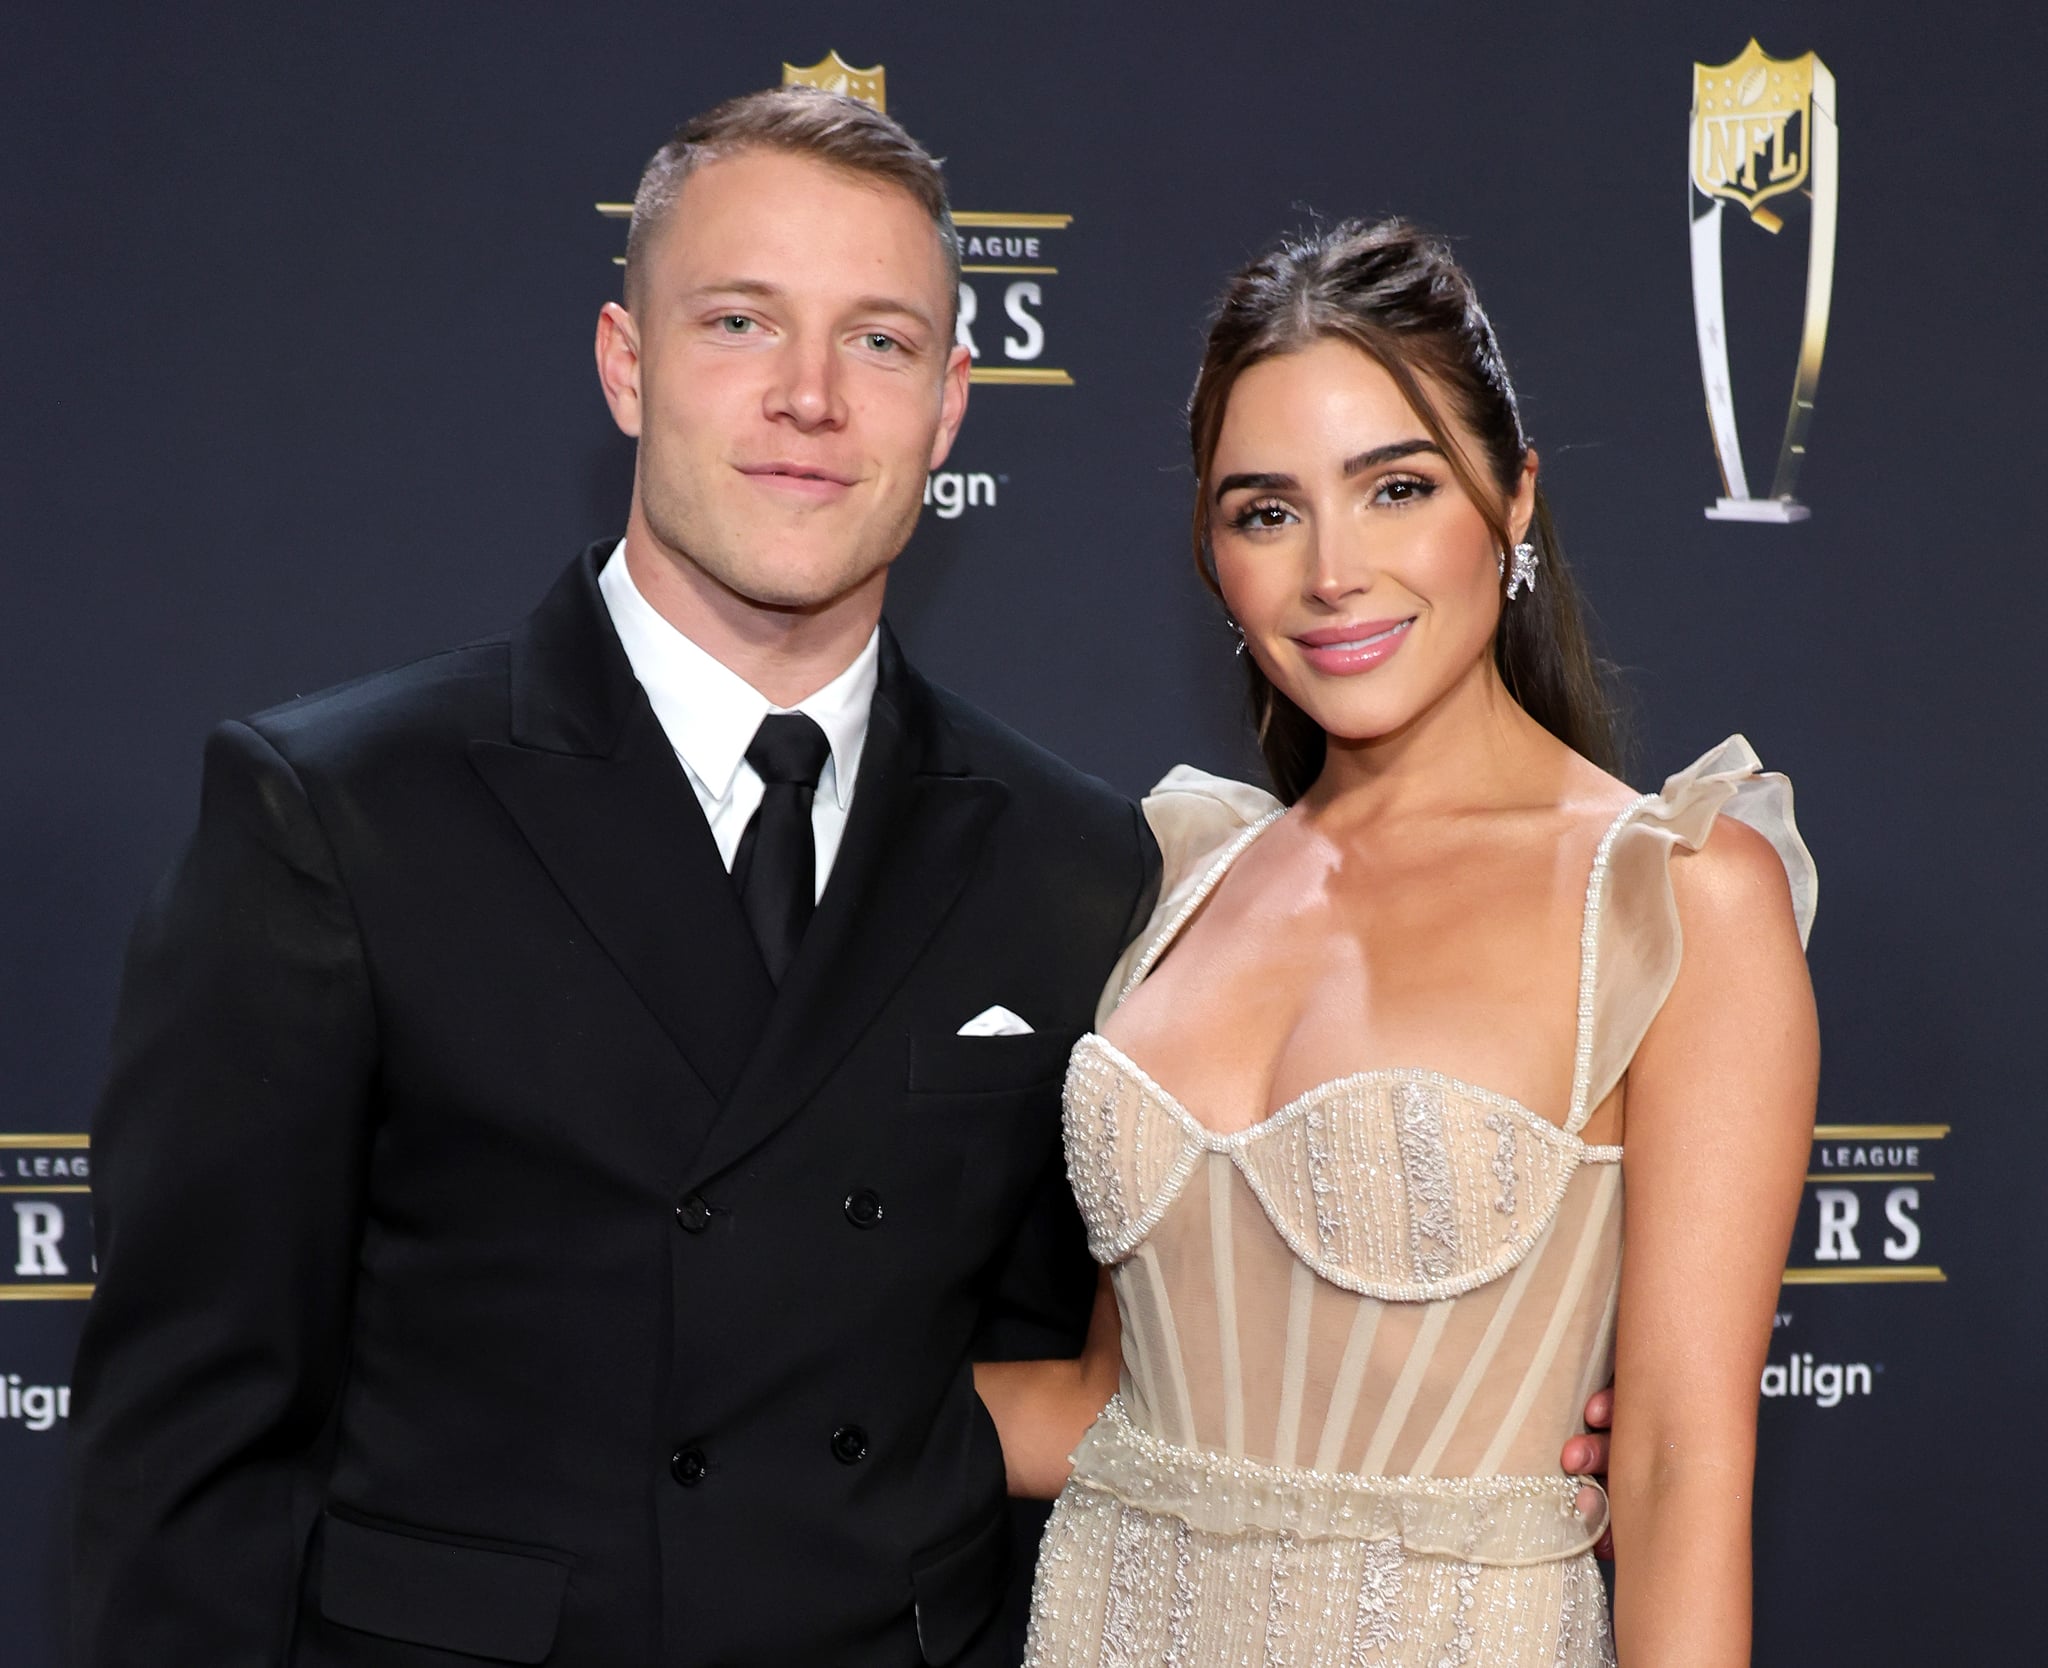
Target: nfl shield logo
[1752, 129]
[833, 74]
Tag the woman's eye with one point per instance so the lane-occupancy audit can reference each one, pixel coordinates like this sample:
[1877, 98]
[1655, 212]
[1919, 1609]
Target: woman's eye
[1404, 489]
[1262, 514]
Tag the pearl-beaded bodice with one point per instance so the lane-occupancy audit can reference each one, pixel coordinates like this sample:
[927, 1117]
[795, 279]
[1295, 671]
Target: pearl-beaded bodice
[1397, 1274]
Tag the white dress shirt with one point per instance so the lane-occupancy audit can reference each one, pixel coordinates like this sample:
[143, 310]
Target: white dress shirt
[710, 713]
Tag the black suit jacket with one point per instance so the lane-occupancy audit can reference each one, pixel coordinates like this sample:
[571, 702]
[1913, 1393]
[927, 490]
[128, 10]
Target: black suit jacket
[494, 1265]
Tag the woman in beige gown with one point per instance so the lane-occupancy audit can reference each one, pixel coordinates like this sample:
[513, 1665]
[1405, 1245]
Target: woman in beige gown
[1353, 1135]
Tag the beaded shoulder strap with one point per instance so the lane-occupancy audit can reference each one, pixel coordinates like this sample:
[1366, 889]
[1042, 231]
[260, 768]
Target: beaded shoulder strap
[1589, 962]
[1209, 882]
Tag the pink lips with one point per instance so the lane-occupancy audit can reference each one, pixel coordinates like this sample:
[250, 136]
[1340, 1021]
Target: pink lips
[800, 480]
[1345, 650]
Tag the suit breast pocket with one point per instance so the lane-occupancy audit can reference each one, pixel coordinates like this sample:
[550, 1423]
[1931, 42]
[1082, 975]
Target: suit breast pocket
[953, 1065]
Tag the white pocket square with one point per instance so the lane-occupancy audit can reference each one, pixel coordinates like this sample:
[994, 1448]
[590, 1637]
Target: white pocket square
[995, 1022]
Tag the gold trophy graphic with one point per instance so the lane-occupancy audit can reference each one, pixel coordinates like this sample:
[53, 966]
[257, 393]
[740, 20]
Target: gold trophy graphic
[1762, 127]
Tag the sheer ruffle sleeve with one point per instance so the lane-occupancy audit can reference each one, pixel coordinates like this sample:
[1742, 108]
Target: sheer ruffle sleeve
[1196, 818]
[1634, 936]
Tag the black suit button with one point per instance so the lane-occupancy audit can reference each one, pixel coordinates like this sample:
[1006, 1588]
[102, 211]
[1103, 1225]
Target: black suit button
[864, 1207]
[849, 1444]
[693, 1215]
[688, 1466]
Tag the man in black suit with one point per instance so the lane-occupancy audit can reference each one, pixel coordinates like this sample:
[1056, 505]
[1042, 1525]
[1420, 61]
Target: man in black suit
[547, 1205]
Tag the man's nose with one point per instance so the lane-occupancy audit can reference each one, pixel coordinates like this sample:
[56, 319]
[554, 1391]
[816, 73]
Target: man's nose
[807, 390]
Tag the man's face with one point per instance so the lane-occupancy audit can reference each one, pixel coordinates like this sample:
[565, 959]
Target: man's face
[789, 371]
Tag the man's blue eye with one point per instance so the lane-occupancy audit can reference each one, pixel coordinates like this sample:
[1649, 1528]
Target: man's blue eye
[736, 323]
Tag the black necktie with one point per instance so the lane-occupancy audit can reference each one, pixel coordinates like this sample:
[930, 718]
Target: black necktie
[776, 866]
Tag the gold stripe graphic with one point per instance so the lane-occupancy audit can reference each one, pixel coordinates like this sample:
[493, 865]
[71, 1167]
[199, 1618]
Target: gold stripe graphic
[1879, 1132]
[961, 217]
[1008, 222]
[49, 1187]
[45, 1140]
[1911, 1275]
[52, 1291]
[971, 267]
[1023, 376]
[1877, 1176]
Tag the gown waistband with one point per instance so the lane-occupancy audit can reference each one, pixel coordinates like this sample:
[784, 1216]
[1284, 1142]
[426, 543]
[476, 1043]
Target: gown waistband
[1509, 1521]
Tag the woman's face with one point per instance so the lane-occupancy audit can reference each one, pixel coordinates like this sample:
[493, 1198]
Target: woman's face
[1363, 576]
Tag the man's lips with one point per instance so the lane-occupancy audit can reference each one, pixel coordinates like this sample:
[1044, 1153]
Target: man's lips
[1345, 649]
[807, 480]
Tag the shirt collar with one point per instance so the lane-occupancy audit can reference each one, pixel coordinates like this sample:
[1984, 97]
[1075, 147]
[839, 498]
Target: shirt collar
[710, 713]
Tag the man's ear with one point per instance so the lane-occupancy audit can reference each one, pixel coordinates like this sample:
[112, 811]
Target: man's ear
[952, 403]
[618, 365]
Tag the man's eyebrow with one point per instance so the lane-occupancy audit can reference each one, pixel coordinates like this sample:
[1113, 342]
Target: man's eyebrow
[1388, 453]
[737, 286]
[894, 304]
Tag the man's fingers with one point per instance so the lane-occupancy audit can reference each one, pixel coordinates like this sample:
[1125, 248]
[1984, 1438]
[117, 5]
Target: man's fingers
[1590, 1503]
[1586, 1456]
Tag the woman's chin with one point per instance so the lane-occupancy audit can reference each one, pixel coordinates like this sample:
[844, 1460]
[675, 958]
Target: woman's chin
[1353, 716]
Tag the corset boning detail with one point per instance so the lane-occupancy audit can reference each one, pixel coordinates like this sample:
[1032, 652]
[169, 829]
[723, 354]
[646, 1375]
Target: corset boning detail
[1397, 1276]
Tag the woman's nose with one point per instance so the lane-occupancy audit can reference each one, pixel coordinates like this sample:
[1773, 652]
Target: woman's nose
[1339, 565]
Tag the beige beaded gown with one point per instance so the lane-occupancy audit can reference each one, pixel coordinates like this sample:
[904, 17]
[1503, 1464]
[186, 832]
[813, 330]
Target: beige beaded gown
[1357, 1335]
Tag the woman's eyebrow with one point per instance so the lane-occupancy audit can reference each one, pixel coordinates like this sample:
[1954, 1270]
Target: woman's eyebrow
[1388, 453]
[1256, 482]
[1265, 481]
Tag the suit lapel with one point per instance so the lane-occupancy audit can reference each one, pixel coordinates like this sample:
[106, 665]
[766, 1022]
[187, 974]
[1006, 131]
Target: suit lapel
[912, 840]
[596, 789]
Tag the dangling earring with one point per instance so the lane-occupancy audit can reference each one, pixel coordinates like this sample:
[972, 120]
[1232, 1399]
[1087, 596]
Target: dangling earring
[1234, 626]
[1523, 578]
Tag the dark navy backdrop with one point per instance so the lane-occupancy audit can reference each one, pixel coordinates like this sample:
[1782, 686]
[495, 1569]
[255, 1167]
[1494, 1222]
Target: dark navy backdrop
[297, 306]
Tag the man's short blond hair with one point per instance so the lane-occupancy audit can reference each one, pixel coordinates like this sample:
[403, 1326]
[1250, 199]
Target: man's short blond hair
[799, 121]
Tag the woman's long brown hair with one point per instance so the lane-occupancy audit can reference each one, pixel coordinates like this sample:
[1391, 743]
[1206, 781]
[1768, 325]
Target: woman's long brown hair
[1396, 295]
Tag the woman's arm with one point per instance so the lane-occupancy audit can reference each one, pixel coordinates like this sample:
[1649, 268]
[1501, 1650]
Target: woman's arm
[1719, 1113]
[1042, 1408]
